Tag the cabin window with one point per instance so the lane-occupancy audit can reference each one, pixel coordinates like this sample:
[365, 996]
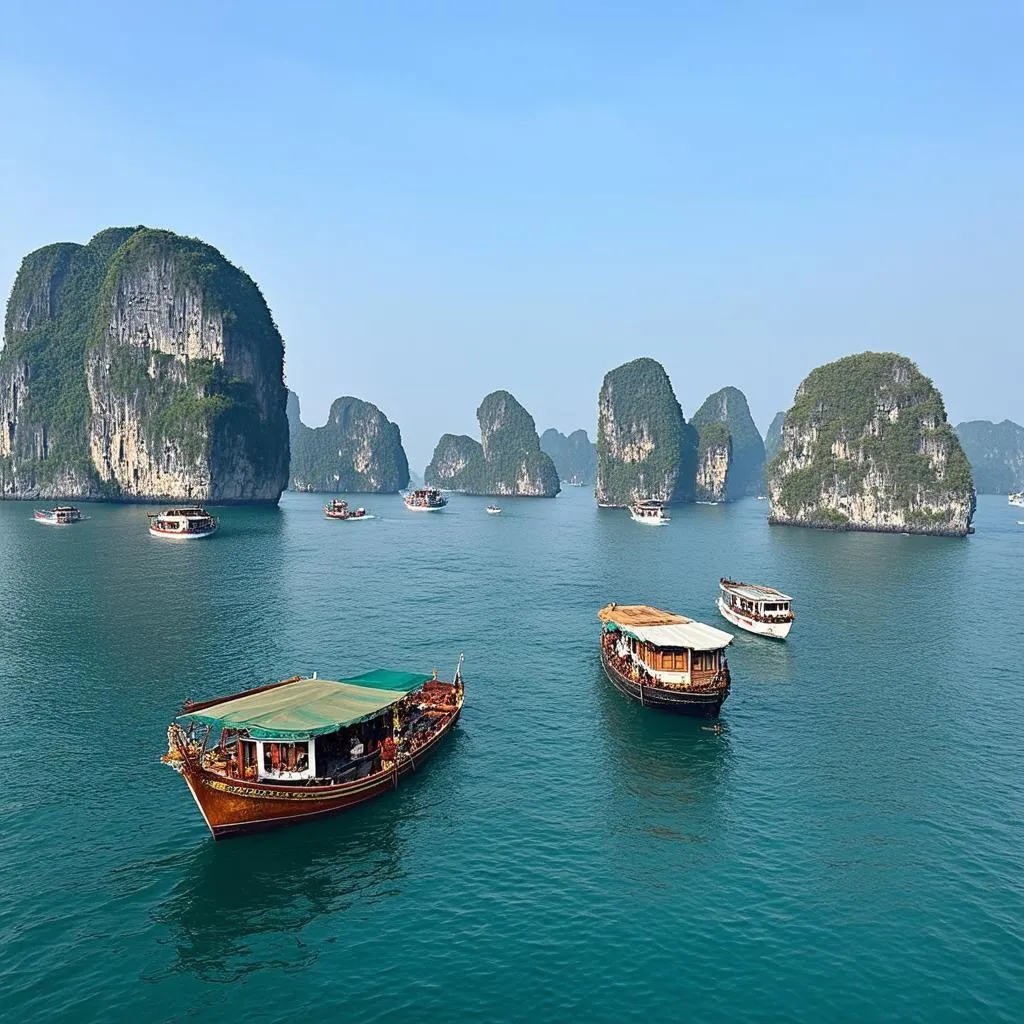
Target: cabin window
[680, 661]
[285, 757]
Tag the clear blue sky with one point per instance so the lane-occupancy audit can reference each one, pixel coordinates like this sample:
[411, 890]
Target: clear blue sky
[443, 199]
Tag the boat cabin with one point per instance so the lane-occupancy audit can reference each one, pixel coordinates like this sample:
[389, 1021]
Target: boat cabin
[183, 521]
[763, 604]
[668, 649]
[425, 498]
[318, 731]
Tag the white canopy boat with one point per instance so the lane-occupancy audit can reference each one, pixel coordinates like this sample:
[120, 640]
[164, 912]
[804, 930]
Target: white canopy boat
[493, 510]
[650, 513]
[59, 515]
[761, 610]
[424, 499]
[190, 523]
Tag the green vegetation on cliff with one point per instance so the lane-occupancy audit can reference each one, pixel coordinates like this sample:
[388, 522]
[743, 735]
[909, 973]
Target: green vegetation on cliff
[645, 447]
[996, 454]
[141, 356]
[575, 456]
[506, 461]
[51, 315]
[357, 449]
[729, 408]
[870, 432]
[773, 438]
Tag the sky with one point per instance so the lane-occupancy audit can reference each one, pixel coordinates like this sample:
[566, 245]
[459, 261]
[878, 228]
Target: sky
[440, 200]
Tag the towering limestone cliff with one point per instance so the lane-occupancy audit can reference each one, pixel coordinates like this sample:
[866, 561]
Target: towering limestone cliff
[645, 448]
[773, 439]
[715, 464]
[506, 461]
[996, 454]
[141, 365]
[575, 456]
[728, 408]
[866, 446]
[358, 449]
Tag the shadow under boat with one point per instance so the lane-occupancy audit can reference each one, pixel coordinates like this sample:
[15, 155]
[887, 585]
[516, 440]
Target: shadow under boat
[227, 912]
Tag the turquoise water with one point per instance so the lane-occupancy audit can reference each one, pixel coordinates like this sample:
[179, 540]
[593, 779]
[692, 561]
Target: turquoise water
[850, 847]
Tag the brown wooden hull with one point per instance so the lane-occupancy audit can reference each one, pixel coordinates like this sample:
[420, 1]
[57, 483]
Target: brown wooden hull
[234, 807]
[706, 704]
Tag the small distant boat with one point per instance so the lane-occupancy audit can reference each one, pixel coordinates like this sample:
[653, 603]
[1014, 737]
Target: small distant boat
[664, 660]
[1017, 499]
[59, 515]
[493, 510]
[305, 748]
[762, 497]
[189, 523]
[650, 513]
[338, 508]
[425, 499]
[761, 610]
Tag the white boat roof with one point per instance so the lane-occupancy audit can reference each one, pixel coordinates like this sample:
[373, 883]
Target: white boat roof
[752, 592]
[695, 635]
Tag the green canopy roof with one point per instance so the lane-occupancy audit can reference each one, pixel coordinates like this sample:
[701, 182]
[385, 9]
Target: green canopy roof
[309, 707]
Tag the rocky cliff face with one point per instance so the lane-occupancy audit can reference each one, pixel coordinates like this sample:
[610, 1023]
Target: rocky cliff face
[645, 448]
[715, 463]
[866, 446]
[358, 449]
[575, 456]
[142, 365]
[773, 438]
[728, 408]
[996, 454]
[506, 461]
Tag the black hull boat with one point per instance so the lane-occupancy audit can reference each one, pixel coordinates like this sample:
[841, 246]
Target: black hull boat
[679, 702]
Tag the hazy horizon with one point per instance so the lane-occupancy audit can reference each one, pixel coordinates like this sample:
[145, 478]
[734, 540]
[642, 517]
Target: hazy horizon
[441, 202]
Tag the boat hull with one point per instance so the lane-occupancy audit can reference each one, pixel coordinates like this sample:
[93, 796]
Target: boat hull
[169, 535]
[233, 807]
[426, 508]
[649, 520]
[773, 630]
[680, 702]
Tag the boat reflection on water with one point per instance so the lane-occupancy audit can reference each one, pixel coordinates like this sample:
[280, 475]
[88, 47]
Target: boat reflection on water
[676, 769]
[230, 915]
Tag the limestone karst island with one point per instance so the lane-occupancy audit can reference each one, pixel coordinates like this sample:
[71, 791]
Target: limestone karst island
[141, 365]
[357, 450]
[507, 460]
[866, 446]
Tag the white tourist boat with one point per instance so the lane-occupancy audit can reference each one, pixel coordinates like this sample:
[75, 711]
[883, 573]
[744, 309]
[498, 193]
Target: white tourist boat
[424, 499]
[493, 510]
[650, 513]
[188, 523]
[761, 610]
[59, 515]
[1017, 499]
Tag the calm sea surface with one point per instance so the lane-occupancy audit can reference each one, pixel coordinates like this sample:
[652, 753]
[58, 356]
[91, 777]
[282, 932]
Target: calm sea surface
[850, 847]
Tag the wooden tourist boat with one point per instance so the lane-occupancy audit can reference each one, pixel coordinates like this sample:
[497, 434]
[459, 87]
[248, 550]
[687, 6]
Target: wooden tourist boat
[338, 508]
[761, 610]
[1017, 499]
[650, 513]
[191, 523]
[665, 660]
[59, 515]
[425, 499]
[304, 748]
